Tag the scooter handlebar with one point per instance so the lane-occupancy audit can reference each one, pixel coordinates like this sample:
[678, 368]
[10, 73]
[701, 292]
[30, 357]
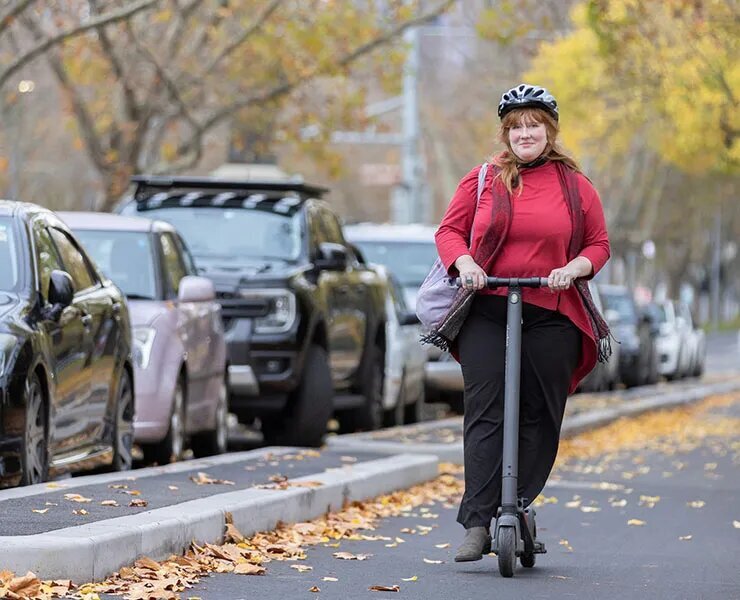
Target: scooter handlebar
[496, 282]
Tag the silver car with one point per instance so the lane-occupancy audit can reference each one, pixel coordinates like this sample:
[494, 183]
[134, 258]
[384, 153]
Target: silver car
[409, 252]
[179, 348]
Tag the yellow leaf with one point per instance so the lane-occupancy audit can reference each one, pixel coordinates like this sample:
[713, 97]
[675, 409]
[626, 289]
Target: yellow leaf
[40, 511]
[301, 568]
[696, 504]
[636, 522]
[329, 579]
[429, 561]
[314, 589]
[414, 578]
[441, 545]
[685, 537]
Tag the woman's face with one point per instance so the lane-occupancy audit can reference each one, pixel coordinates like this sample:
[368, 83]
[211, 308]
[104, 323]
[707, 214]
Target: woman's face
[528, 141]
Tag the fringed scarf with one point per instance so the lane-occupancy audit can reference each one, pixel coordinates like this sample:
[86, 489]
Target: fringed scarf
[492, 242]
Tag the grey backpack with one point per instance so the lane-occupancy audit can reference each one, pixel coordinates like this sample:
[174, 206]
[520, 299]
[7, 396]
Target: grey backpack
[437, 292]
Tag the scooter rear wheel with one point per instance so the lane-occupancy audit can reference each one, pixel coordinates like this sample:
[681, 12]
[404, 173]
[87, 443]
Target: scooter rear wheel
[506, 551]
[528, 559]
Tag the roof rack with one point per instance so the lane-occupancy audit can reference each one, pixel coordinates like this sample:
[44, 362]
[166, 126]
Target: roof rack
[152, 183]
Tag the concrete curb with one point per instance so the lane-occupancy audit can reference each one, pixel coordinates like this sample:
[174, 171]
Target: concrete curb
[92, 552]
[572, 426]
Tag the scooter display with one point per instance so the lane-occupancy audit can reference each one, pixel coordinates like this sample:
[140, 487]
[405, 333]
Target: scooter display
[515, 534]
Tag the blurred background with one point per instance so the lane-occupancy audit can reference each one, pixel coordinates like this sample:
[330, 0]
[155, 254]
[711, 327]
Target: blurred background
[390, 103]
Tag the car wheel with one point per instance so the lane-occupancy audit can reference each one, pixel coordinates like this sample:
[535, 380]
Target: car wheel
[215, 441]
[35, 445]
[123, 428]
[368, 416]
[413, 413]
[172, 447]
[310, 406]
[394, 417]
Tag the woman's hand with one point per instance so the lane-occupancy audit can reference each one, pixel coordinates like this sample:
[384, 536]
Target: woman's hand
[562, 278]
[472, 277]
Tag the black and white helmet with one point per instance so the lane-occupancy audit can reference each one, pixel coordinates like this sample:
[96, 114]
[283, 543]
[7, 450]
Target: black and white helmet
[523, 96]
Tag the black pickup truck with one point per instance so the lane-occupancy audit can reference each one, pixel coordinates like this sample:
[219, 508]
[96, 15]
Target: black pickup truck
[304, 319]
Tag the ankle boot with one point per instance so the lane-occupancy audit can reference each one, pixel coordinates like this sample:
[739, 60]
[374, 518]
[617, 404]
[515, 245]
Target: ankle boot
[477, 542]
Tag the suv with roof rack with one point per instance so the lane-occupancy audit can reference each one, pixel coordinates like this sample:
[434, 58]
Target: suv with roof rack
[304, 319]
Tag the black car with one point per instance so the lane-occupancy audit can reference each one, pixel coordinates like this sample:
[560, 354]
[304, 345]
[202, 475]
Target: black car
[304, 319]
[66, 379]
[636, 333]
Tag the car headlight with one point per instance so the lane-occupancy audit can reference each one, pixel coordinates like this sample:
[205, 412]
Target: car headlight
[8, 343]
[143, 342]
[281, 309]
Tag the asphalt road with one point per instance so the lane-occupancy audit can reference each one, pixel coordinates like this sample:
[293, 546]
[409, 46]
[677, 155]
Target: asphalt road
[677, 488]
[723, 352]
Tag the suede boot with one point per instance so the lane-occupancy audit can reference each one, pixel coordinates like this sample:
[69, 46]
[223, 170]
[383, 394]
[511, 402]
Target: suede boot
[477, 542]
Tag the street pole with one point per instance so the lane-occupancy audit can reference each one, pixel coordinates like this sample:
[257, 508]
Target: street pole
[714, 283]
[407, 206]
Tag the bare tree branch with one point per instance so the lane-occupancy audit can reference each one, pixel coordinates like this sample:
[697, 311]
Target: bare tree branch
[49, 42]
[131, 106]
[266, 14]
[345, 61]
[7, 19]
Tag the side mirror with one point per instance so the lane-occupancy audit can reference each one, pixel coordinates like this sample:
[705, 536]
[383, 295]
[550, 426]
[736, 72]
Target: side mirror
[61, 293]
[332, 257]
[408, 318]
[196, 289]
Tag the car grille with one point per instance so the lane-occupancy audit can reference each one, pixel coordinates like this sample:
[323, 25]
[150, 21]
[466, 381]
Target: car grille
[233, 306]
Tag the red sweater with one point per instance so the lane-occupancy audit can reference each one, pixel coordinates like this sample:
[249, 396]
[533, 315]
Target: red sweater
[536, 244]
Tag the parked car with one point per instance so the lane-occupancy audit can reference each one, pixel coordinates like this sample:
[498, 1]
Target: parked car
[636, 334]
[409, 252]
[179, 347]
[66, 373]
[304, 321]
[403, 383]
[674, 342]
[604, 376]
[696, 342]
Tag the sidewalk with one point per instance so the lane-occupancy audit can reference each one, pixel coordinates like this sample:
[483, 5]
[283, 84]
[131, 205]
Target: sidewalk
[85, 528]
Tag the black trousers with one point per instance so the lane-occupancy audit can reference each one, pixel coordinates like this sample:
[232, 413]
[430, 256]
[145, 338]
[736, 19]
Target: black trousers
[551, 348]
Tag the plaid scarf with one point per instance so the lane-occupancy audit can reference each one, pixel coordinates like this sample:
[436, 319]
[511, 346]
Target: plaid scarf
[492, 242]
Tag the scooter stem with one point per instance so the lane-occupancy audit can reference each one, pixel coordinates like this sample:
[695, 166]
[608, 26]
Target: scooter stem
[511, 401]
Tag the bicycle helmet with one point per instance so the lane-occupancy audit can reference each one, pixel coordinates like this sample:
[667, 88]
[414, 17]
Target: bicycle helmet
[525, 95]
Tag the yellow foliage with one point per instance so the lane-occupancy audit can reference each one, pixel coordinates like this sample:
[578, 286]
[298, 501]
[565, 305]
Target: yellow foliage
[658, 70]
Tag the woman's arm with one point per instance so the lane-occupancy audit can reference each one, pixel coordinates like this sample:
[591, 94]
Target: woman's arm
[453, 235]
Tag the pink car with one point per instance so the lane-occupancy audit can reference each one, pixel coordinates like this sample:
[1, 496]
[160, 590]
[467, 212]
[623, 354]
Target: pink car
[179, 350]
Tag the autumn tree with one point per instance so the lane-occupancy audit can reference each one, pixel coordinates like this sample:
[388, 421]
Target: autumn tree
[145, 92]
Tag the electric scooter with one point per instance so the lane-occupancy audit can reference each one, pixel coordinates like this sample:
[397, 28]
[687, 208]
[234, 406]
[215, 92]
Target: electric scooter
[515, 534]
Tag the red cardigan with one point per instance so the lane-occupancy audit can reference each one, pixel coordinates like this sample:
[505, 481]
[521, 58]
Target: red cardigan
[536, 244]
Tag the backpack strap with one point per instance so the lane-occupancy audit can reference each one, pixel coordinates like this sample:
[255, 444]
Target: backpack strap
[481, 185]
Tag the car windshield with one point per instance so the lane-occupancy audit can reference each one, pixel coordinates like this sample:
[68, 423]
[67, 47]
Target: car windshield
[408, 261]
[9, 261]
[124, 256]
[235, 233]
[622, 304]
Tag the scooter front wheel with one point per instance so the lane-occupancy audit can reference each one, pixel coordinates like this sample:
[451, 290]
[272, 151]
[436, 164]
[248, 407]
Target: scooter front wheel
[506, 545]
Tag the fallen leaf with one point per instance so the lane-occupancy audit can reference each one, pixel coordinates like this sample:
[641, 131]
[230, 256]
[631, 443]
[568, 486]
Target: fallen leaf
[80, 511]
[109, 503]
[414, 578]
[133, 492]
[393, 545]
[350, 556]
[685, 537]
[53, 485]
[619, 503]
[138, 503]
[314, 589]
[636, 522]
[301, 568]
[696, 504]
[329, 579]
[590, 509]
[384, 588]
[441, 545]
[559, 577]
[77, 498]
[118, 486]
[736, 524]
[40, 511]
[246, 568]
[429, 561]
[172, 487]
[51, 504]
[348, 459]
[205, 479]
